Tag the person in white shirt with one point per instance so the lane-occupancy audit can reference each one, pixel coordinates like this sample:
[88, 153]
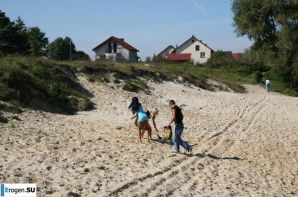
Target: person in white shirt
[267, 82]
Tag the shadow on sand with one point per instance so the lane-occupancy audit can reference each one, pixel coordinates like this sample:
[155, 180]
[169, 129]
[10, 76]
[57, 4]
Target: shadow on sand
[200, 155]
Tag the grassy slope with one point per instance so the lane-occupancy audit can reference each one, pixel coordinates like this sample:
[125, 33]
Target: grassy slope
[197, 75]
[232, 76]
[135, 76]
[53, 86]
[41, 84]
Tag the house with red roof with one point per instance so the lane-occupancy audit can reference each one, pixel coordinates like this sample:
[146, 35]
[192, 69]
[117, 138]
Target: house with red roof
[192, 49]
[235, 56]
[116, 49]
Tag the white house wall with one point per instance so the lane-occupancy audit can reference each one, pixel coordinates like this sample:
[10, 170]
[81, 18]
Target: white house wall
[123, 54]
[190, 47]
[101, 51]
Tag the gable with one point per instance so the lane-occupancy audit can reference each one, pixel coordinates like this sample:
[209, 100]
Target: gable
[118, 41]
[188, 43]
[167, 50]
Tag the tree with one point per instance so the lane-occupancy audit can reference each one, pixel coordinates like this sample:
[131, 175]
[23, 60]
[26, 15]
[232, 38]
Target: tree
[81, 55]
[61, 49]
[16, 38]
[37, 42]
[273, 26]
[8, 35]
[21, 41]
[148, 59]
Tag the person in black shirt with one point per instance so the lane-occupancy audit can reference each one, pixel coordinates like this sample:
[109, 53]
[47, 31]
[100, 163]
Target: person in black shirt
[177, 117]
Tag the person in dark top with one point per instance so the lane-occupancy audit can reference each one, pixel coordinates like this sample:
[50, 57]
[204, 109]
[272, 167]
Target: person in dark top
[177, 117]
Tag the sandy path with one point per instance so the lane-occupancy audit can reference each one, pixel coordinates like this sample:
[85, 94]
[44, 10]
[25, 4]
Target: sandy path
[245, 145]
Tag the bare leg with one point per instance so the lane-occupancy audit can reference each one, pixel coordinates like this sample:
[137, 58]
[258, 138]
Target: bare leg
[149, 130]
[143, 132]
[140, 131]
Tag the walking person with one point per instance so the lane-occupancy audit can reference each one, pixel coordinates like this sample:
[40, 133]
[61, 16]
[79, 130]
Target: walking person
[267, 84]
[177, 117]
[142, 123]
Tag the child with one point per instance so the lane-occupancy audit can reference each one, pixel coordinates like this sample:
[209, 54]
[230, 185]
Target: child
[153, 114]
[142, 124]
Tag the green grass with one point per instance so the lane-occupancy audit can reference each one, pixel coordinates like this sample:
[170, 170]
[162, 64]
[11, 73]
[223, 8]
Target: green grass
[53, 86]
[279, 85]
[232, 74]
[41, 84]
[135, 76]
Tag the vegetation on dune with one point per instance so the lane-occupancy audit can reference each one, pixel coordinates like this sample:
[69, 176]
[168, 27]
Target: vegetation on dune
[227, 72]
[50, 85]
[42, 84]
[245, 71]
[273, 27]
[134, 76]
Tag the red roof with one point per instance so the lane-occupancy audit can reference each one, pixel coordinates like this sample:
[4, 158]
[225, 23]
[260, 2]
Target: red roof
[119, 41]
[237, 55]
[178, 57]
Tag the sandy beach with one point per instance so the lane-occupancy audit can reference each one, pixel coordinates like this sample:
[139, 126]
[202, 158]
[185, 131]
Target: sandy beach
[244, 145]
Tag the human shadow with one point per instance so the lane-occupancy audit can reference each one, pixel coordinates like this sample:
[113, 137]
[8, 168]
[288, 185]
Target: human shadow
[215, 157]
[162, 141]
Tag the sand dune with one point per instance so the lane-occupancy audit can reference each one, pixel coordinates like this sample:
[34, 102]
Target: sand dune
[244, 145]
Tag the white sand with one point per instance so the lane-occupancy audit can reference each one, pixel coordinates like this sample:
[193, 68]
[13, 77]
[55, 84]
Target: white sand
[245, 145]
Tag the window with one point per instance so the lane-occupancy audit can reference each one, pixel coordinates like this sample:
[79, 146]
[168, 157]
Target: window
[197, 47]
[115, 47]
[203, 55]
[110, 48]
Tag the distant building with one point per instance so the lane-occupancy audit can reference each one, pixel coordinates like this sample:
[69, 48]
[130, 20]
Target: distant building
[192, 49]
[232, 55]
[116, 49]
[170, 49]
[178, 57]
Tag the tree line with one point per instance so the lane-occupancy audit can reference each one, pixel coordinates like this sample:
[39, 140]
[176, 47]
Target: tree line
[17, 39]
[273, 27]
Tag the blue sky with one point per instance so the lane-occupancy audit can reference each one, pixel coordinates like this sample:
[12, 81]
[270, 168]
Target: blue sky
[148, 25]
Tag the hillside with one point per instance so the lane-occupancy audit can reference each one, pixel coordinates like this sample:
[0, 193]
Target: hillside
[54, 87]
[41, 84]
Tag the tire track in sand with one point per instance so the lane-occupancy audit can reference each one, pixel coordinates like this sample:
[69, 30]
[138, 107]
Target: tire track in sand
[180, 172]
[218, 142]
[240, 114]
